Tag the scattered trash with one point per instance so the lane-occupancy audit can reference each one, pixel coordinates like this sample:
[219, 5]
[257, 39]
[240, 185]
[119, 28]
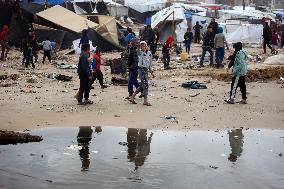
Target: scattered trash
[123, 143]
[61, 77]
[68, 154]
[194, 95]
[50, 108]
[119, 81]
[194, 85]
[95, 151]
[172, 118]
[282, 78]
[74, 147]
[67, 66]
[213, 167]
[122, 151]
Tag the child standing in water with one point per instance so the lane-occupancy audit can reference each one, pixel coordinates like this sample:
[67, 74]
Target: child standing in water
[144, 66]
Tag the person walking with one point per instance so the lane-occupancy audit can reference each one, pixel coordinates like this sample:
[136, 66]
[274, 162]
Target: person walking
[166, 52]
[4, 43]
[207, 46]
[188, 36]
[239, 74]
[144, 66]
[197, 28]
[219, 44]
[46, 45]
[267, 34]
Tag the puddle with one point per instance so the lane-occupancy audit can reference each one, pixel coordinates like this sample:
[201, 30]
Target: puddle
[111, 157]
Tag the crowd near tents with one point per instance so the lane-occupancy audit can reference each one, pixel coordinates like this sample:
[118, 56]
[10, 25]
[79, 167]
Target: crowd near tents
[64, 20]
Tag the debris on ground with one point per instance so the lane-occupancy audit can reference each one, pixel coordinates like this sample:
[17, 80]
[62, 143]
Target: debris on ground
[213, 167]
[194, 85]
[119, 81]
[123, 143]
[172, 118]
[11, 137]
[194, 95]
[67, 66]
[61, 77]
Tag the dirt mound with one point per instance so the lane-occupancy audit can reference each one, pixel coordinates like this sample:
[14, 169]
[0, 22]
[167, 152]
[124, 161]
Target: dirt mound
[269, 73]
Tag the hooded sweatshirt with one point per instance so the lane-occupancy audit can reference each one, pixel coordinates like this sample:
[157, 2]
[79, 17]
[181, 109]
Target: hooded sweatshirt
[4, 33]
[220, 39]
[240, 66]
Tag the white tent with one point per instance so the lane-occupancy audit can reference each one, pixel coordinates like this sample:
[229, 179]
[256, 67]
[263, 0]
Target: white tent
[145, 5]
[246, 33]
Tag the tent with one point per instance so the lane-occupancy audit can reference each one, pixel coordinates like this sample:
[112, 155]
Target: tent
[142, 9]
[246, 33]
[49, 2]
[103, 35]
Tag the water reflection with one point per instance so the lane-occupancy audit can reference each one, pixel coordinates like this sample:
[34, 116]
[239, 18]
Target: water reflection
[138, 146]
[236, 142]
[84, 139]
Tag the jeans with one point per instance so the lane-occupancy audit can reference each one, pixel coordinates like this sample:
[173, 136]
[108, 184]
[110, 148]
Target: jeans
[98, 75]
[144, 86]
[266, 42]
[219, 55]
[85, 88]
[46, 53]
[204, 50]
[166, 60]
[187, 47]
[132, 80]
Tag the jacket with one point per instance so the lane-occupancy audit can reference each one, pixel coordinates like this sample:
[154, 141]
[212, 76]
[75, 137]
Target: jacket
[145, 60]
[84, 67]
[132, 61]
[188, 36]
[98, 62]
[220, 40]
[240, 66]
[208, 39]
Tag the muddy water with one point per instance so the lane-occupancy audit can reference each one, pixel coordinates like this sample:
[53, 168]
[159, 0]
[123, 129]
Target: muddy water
[107, 157]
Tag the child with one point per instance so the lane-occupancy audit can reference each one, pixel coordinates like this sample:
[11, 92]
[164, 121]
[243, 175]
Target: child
[46, 45]
[166, 52]
[274, 40]
[24, 49]
[239, 74]
[29, 56]
[4, 43]
[219, 44]
[96, 67]
[85, 75]
[144, 66]
[188, 36]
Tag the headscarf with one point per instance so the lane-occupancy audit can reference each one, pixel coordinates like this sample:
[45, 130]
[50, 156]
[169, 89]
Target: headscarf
[238, 46]
[170, 40]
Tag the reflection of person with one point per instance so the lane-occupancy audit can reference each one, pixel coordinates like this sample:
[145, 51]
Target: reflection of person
[138, 146]
[84, 138]
[236, 142]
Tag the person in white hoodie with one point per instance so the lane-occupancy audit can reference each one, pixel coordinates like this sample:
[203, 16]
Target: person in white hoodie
[144, 67]
[46, 45]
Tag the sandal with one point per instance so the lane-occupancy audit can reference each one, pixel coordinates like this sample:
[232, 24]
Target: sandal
[147, 104]
[132, 101]
[89, 102]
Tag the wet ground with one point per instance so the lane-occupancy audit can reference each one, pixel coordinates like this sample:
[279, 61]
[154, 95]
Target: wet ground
[111, 157]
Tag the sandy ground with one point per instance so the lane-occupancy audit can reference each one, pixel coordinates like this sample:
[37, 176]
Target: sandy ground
[27, 103]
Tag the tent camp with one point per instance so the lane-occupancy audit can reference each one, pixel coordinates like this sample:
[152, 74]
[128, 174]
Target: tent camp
[174, 21]
[142, 9]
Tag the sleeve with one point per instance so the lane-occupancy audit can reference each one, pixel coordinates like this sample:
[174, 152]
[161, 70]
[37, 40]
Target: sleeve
[232, 60]
[151, 65]
[215, 41]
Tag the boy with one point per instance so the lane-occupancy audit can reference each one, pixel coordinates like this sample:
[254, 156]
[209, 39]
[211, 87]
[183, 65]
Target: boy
[96, 67]
[4, 43]
[207, 45]
[46, 45]
[144, 66]
[29, 56]
[166, 52]
[188, 36]
[239, 74]
[219, 44]
[85, 75]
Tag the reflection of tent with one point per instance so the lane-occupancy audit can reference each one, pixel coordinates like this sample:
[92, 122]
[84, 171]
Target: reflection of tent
[246, 33]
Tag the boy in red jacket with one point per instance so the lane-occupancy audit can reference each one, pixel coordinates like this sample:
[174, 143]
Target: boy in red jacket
[4, 43]
[96, 67]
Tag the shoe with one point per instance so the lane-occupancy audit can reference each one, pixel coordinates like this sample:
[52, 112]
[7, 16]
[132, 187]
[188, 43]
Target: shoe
[230, 101]
[82, 103]
[141, 96]
[104, 86]
[201, 66]
[89, 102]
[243, 102]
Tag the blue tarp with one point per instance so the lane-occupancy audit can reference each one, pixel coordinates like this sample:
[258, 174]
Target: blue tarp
[188, 14]
[50, 2]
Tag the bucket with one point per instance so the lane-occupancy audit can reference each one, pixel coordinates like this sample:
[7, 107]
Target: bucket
[183, 56]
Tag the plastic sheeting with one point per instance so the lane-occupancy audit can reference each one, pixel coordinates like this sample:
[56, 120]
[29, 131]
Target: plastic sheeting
[145, 5]
[78, 49]
[245, 33]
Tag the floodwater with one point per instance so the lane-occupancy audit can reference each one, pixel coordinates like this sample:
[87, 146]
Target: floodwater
[112, 157]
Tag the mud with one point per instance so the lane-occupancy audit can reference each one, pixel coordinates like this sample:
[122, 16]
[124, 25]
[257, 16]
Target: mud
[10, 137]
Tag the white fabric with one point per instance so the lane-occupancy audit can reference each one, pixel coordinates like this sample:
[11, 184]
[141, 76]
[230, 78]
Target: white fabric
[245, 33]
[78, 10]
[78, 49]
[145, 5]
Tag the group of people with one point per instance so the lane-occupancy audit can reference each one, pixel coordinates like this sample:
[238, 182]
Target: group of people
[272, 37]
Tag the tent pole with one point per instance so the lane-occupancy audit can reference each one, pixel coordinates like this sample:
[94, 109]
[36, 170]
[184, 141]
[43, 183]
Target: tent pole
[174, 27]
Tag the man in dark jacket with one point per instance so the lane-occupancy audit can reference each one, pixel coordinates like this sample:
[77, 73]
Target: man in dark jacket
[197, 29]
[132, 64]
[208, 43]
[214, 25]
[267, 34]
[85, 75]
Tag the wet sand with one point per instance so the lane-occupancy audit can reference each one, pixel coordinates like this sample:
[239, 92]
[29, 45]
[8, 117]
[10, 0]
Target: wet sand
[47, 102]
